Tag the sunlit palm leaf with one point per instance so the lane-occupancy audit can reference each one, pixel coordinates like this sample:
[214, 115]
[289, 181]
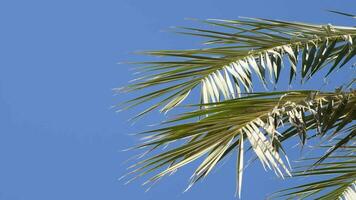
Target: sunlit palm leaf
[221, 127]
[242, 49]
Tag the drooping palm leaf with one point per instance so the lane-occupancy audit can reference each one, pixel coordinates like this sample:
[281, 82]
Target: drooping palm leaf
[242, 49]
[223, 127]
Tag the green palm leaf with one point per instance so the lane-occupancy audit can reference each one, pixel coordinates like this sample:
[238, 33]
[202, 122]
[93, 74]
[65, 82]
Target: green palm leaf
[343, 13]
[222, 127]
[339, 175]
[246, 48]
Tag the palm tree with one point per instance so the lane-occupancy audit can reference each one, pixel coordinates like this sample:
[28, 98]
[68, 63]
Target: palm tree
[231, 116]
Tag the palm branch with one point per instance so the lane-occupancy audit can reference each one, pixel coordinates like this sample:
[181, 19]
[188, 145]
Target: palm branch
[224, 127]
[246, 48]
[337, 174]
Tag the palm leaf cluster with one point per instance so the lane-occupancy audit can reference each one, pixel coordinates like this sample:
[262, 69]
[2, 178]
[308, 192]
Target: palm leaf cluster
[231, 116]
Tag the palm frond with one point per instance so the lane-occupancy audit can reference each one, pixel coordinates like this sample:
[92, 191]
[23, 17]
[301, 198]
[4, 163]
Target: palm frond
[222, 127]
[339, 177]
[246, 48]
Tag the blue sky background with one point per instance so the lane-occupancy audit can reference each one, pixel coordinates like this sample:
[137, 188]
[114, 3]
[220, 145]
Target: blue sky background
[59, 139]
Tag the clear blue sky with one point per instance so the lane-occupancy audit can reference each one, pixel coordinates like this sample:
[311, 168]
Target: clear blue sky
[59, 140]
